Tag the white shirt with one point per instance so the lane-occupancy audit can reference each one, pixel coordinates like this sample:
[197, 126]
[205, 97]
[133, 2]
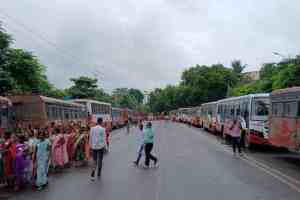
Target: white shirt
[97, 135]
[140, 138]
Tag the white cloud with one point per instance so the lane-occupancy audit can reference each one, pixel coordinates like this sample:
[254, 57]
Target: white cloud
[146, 45]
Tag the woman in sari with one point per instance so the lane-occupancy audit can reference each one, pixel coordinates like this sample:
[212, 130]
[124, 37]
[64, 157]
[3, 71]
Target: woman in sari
[8, 158]
[65, 149]
[32, 142]
[70, 144]
[79, 149]
[58, 160]
[87, 145]
[1, 160]
[20, 162]
[42, 155]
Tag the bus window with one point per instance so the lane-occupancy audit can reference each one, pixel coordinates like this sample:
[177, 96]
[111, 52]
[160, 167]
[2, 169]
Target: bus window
[298, 114]
[277, 109]
[290, 109]
[260, 108]
[238, 111]
[232, 111]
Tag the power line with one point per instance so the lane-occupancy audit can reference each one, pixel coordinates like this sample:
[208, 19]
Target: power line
[43, 38]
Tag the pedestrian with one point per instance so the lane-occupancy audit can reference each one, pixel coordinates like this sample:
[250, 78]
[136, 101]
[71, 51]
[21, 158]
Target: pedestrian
[20, 162]
[79, 149]
[107, 135]
[236, 136]
[140, 143]
[97, 144]
[42, 155]
[58, 156]
[8, 158]
[128, 125]
[148, 142]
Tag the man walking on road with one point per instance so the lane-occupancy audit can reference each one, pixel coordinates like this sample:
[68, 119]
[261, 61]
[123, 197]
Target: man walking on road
[97, 144]
[148, 141]
[140, 143]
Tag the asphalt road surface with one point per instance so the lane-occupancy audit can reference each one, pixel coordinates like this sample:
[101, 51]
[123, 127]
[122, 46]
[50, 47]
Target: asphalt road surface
[192, 165]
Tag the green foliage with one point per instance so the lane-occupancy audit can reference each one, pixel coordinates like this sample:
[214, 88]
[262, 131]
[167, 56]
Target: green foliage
[199, 84]
[84, 87]
[20, 70]
[127, 98]
[273, 76]
[237, 66]
[26, 71]
[137, 94]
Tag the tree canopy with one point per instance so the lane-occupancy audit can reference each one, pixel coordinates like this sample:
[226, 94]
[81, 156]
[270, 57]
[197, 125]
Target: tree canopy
[198, 84]
[127, 98]
[273, 76]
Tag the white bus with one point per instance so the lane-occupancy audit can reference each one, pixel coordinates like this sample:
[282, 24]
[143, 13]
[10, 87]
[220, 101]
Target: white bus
[207, 114]
[96, 109]
[252, 110]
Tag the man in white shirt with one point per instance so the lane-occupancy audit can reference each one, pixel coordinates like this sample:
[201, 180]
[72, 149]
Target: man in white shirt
[97, 144]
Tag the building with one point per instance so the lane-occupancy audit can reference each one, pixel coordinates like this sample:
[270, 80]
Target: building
[251, 76]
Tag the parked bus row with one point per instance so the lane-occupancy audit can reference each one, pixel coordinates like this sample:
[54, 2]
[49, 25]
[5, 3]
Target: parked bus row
[36, 110]
[266, 119]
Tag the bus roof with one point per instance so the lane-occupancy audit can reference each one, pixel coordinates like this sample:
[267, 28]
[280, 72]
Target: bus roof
[245, 96]
[90, 101]
[286, 90]
[33, 98]
[53, 100]
[209, 103]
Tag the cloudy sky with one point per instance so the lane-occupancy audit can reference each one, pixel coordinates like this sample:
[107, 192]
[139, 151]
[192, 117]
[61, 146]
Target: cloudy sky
[147, 44]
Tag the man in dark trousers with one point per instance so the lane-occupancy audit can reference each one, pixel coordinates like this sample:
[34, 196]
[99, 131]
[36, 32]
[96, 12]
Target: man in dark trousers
[97, 144]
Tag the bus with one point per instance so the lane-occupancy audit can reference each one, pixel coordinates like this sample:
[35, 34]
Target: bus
[117, 118]
[208, 114]
[252, 110]
[183, 114]
[285, 118]
[190, 115]
[96, 109]
[6, 115]
[40, 110]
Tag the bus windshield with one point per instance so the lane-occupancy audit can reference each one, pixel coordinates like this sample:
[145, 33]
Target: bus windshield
[260, 108]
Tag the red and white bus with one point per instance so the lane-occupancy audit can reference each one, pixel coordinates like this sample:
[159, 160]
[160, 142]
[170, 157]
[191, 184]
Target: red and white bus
[252, 110]
[208, 116]
[117, 117]
[96, 109]
[285, 118]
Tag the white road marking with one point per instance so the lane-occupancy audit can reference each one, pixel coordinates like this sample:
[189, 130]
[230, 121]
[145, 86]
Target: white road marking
[280, 176]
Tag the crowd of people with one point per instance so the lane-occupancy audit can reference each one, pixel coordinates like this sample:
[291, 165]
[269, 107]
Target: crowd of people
[28, 154]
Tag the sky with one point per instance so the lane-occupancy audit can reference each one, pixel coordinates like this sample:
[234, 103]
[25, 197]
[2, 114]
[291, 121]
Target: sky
[148, 44]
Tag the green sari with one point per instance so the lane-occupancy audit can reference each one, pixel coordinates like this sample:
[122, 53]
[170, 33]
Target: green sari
[80, 148]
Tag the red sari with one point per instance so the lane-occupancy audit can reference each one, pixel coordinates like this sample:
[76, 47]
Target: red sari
[9, 156]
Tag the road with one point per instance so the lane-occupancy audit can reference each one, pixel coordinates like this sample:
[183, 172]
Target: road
[192, 165]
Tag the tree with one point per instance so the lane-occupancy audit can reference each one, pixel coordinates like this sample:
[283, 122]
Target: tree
[84, 87]
[137, 94]
[5, 41]
[237, 66]
[27, 73]
[6, 82]
[285, 73]
[103, 96]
